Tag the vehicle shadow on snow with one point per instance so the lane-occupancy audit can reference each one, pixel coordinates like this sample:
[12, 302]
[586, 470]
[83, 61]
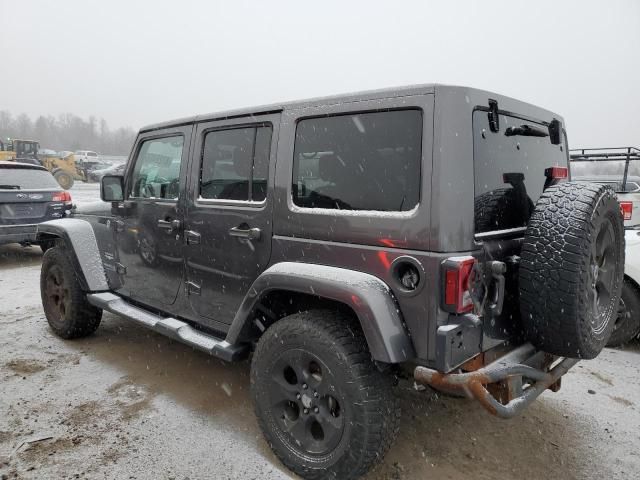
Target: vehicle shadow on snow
[440, 436]
[16, 256]
[632, 346]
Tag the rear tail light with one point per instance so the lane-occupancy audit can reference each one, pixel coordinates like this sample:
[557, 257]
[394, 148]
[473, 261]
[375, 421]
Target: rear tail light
[62, 197]
[457, 275]
[557, 173]
[627, 210]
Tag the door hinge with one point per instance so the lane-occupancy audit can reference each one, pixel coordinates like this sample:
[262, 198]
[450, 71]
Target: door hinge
[494, 116]
[192, 288]
[121, 269]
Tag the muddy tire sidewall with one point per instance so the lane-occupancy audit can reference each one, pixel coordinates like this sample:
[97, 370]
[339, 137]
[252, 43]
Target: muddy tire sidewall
[77, 318]
[627, 325]
[368, 408]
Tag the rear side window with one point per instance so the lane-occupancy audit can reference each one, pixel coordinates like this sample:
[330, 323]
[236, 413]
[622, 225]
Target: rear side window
[157, 169]
[235, 164]
[26, 179]
[364, 161]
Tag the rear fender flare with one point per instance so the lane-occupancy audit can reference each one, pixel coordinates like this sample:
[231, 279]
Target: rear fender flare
[368, 296]
[82, 245]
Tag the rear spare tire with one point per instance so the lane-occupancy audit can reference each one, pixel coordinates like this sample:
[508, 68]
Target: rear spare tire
[571, 270]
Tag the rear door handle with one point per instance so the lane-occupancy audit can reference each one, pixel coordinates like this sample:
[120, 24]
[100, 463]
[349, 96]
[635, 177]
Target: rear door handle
[191, 237]
[169, 225]
[248, 233]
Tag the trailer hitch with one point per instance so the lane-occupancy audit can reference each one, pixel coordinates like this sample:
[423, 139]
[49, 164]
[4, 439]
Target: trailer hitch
[523, 374]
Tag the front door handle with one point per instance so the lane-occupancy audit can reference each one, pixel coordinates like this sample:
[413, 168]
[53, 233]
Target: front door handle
[169, 225]
[248, 233]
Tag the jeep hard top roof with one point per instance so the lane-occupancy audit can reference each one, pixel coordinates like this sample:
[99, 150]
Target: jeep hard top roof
[402, 91]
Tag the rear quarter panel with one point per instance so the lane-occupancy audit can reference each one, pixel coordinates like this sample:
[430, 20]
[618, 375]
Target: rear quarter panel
[360, 240]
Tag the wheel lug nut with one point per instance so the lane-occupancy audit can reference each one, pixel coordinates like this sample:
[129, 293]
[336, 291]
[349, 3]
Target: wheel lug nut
[304, 386]
[306, 410]
[315, 394]
[316, 410]
[298, 396]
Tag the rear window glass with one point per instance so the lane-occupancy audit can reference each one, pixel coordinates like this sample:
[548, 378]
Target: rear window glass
[26, 179]
[364, 161]
[509, 172]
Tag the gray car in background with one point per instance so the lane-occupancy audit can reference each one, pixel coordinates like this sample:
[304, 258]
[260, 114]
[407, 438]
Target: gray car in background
[96, 175]
[29, 195]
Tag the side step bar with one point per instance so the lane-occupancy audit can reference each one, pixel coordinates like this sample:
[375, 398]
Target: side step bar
[170, 327]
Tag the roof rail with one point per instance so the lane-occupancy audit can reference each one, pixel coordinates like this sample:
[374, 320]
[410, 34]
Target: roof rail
[625, 154]
[599, 154]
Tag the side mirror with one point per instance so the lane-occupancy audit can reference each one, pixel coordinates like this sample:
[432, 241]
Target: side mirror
[112, 188]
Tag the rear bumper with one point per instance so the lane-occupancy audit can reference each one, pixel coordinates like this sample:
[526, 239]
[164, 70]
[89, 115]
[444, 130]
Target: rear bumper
[17, 233]
[506, 386]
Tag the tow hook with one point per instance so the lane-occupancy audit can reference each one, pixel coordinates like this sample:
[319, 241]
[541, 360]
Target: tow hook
[497, 269]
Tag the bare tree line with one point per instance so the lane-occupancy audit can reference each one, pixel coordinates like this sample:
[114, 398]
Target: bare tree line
[68, 132]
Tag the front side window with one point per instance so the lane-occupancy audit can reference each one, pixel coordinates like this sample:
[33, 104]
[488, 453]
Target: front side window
[157, 169]
[365, 161]
[235, 163]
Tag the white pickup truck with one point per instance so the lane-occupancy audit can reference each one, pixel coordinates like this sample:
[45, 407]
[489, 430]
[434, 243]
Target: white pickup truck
[86, 156]
[619, 168]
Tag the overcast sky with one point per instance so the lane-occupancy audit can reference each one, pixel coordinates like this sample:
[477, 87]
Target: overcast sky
[138, 62]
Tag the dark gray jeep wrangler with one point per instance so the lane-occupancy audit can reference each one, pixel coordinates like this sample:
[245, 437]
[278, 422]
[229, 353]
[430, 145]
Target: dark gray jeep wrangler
[426, 232]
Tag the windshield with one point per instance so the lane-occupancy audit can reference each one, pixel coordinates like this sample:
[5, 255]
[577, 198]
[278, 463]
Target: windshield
[27, 148]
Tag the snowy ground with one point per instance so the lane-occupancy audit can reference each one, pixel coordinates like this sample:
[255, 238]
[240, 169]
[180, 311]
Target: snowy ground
[85, 192]
[128, 403]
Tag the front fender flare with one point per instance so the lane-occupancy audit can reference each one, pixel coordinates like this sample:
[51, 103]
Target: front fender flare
[368, 296]
[79, 237]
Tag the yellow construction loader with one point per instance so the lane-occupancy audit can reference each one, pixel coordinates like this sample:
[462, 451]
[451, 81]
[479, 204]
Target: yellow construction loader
[63, 168]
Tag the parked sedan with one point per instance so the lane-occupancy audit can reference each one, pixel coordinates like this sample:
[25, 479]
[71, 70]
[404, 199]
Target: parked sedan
[28, 195]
